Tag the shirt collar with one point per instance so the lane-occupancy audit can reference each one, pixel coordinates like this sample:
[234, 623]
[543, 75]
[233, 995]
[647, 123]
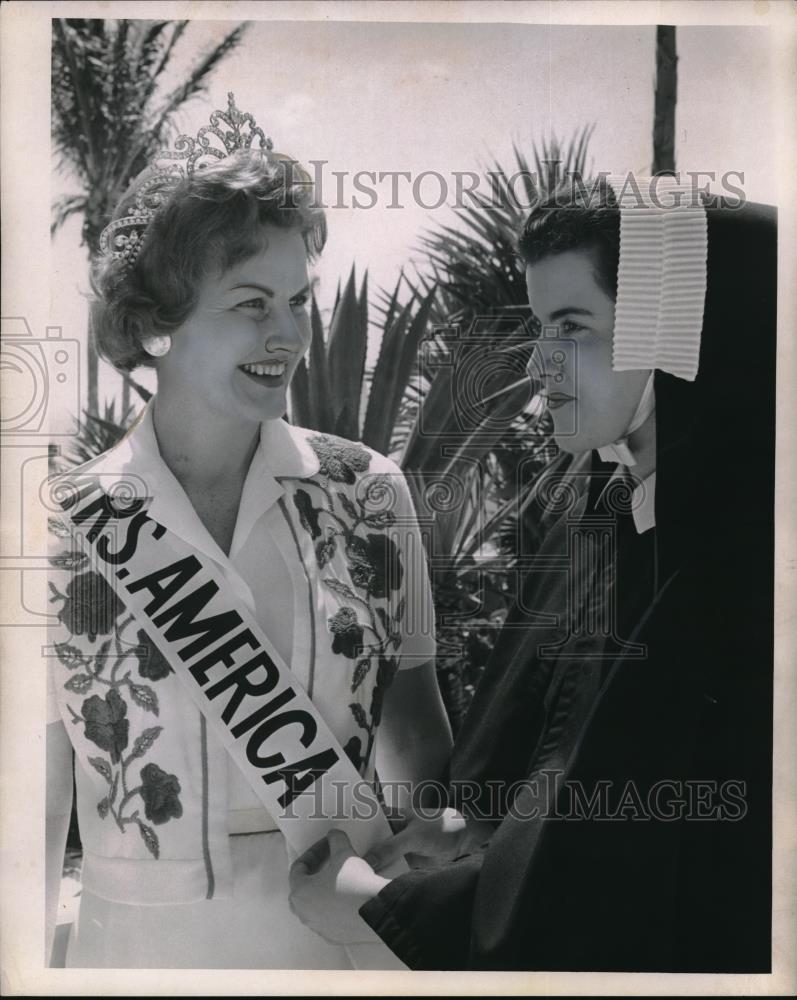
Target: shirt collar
[643, 501]
[643, 504]
[283, 452]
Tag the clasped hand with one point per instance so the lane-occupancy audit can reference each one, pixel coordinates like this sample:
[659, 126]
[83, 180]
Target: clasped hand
[330, 882]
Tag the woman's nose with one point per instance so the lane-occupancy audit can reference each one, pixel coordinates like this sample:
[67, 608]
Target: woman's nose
[540, 365]
[284, 330]
[553, 359]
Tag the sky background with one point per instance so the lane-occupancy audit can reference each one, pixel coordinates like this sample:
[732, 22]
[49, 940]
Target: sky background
[441, 97]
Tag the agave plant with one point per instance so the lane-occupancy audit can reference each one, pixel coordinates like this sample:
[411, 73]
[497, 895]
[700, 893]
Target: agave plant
[473, 265]
[97, 434]
[331, 391]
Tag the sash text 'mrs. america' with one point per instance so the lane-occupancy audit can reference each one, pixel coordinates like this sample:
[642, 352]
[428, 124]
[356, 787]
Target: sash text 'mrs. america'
[181, 606]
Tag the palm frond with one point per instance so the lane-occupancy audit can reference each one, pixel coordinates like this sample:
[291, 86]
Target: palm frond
[64, 208]
[154, 55]
[198, 77]
[98, 434]
[474, 260]
[104, 126]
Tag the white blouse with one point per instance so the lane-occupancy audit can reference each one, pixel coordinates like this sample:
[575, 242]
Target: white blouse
[315, 510]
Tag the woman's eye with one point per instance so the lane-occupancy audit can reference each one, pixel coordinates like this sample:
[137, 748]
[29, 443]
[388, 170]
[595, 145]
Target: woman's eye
[300, 302]
[570, 326]
[258, 305]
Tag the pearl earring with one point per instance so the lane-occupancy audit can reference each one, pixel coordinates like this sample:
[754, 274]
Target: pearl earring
[157, 346]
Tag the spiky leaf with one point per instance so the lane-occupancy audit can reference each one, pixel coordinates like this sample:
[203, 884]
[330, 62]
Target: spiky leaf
[145, 741]
[348, 506]
[57, 527]
[68, 560]
[144, 697]
[150, 838]
[102, 767]
[340, 588]
[359, 715]
[360, 673]
[79, 683]
[70, 656]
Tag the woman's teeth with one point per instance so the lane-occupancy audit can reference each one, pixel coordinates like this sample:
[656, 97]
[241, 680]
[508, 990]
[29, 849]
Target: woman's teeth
[278, 368]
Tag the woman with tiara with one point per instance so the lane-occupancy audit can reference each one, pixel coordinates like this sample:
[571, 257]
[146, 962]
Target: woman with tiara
[614, 772]
[312, 542]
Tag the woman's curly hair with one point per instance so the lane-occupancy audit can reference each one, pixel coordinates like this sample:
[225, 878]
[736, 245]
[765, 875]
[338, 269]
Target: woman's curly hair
[208, 223]
[577, 215]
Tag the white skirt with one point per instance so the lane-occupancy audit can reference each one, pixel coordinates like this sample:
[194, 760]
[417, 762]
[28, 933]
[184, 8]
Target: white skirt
[254, 929]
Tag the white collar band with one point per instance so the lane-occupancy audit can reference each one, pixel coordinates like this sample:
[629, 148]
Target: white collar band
[619, 450]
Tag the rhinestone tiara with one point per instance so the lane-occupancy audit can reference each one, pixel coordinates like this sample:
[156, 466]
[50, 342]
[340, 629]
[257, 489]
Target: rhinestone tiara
[123, 238]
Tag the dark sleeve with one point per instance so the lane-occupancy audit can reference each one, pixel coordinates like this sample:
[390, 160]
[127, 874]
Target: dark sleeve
[425, 916]
[671, 873]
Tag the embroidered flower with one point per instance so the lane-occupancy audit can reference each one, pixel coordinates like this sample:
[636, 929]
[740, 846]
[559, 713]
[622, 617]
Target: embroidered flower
[377, 697]
[381, 519]
[324, 550]
[375, 564]
[347, 631]
[386, 671]
[378, 501]
[90, 607]
[106, 723]
[354, 751]
[308, 514]
[339, 460]
[151, 662]
[160, 792]
[361, 568]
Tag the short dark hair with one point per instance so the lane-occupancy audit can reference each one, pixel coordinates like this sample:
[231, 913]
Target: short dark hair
[211, 220]
[577, 215]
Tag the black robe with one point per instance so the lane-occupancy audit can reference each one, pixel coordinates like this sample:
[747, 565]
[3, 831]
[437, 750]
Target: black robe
[691, 714]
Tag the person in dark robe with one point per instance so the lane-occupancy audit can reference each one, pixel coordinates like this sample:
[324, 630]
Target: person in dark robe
[613, 778]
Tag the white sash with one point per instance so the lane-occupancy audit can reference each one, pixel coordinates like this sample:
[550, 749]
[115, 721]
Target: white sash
[237, 679]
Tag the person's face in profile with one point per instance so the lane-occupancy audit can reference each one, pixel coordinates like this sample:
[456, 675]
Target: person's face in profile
[239, 348]
[591, 405]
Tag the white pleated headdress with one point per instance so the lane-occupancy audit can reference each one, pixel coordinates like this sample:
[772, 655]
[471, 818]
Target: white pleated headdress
[661, 286]
[661, 279]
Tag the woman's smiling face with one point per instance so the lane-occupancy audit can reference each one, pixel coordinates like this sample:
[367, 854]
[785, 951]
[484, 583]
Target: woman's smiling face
[591, 404]
[239, 348]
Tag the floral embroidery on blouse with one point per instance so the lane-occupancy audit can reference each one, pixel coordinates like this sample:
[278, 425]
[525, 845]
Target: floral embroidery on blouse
[366, 629]
[339, 460]
[90, 608]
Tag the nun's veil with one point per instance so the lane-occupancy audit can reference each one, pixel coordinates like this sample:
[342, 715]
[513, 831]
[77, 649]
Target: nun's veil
[716, 435]
[714, 545]
[715, 488]
[685, 896]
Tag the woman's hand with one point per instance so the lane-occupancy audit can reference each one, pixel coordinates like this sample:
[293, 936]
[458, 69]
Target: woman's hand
[443, 835]
[329, 883]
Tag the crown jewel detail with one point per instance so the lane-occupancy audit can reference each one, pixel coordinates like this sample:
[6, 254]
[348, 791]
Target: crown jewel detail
[123, 238]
